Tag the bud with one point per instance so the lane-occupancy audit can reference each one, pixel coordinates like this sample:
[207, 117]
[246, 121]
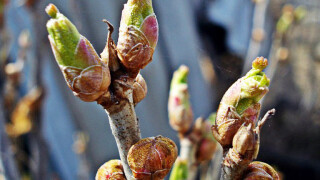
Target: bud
[138, 34]
[260, 170]
[179, 108]
[179, 170]
[139, 89]
[241, 102]
[152, 158]
[206, 150]
[86, 75]
[254, 85]
[245, 140]
[111, 170]
[206, 143]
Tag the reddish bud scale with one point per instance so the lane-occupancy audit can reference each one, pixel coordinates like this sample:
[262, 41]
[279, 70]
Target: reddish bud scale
[152, 158]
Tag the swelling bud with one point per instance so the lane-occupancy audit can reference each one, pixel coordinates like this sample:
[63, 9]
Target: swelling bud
[86, 75]
[138, 34]
[240, 104]
[152, 158]
[179, 107]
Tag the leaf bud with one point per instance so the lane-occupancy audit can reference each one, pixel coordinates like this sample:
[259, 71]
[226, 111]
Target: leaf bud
[179, 107]
[152, 158]
[139, 89]
[86, 75]
[138, 34]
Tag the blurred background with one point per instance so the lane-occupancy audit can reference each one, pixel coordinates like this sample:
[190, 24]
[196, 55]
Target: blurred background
[45, 129]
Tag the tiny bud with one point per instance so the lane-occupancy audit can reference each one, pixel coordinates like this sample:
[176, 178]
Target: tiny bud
[52, 10]
[152, 158]
[111, 170]
[260, 63]
[179, 108]
[244, 140]
[86, 75]
[139, 89]
[260, 170]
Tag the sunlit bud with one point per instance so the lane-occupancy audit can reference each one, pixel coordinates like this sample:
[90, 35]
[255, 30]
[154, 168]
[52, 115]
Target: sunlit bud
[152, 158]
[81, 66]
[111, 170]
[138, 34]
[241, 102]
[244, 140]
[179, 107]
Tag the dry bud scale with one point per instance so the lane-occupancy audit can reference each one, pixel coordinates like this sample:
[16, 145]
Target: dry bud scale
[113, 80]
[237, 128]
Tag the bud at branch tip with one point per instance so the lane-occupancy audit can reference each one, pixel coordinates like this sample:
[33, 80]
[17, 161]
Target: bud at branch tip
[52, 10]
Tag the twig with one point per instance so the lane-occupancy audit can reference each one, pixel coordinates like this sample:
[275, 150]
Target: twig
[187, 152]
[267, 116]
[123, 122]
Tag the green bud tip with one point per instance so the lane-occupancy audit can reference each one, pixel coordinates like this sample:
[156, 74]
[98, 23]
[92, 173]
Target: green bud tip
[137, 11]
[52, 10]
[180, 76]
[260, 63]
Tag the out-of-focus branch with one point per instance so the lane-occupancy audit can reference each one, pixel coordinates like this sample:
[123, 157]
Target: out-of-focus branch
[258, 32]
[38, 146]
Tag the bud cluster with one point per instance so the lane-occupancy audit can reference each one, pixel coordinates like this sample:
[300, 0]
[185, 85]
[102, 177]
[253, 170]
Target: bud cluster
[88, 75]
[237, 128]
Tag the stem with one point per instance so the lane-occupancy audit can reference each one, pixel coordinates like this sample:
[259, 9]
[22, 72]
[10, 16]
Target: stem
[216, 164]
[187, 152]
[234, 164]
[124, 124]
